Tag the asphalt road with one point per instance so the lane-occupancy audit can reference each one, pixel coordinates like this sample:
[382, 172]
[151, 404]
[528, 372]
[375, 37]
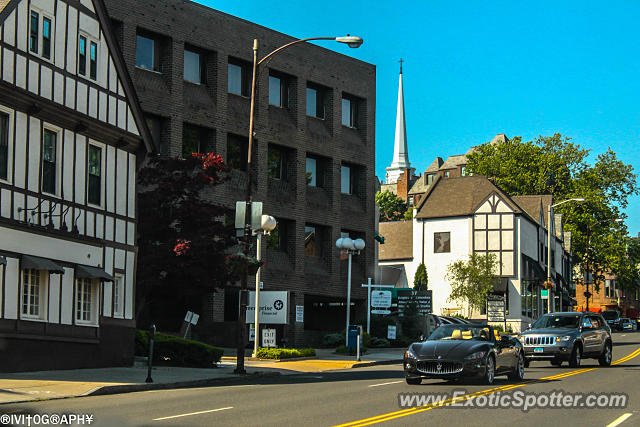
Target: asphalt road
[365, 396]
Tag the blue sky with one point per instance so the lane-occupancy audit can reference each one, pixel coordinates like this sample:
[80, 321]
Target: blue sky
[474, 69]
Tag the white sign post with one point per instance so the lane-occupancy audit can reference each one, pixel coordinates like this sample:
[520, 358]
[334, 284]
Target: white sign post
[268, 337]
[192, 319]
[369, 285]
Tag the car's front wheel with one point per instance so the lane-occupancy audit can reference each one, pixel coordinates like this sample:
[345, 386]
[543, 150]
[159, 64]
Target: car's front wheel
[518, 371]
[605, 357]
[576, 356]
[490, 371]
[556, 363]
[413, 381]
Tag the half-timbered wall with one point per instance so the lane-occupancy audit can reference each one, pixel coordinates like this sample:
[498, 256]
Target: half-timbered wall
[58, 77]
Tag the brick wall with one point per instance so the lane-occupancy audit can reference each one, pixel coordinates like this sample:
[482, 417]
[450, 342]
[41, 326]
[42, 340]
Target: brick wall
[167, 96]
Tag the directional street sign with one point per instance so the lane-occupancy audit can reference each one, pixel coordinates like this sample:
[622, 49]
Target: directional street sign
[380, 311]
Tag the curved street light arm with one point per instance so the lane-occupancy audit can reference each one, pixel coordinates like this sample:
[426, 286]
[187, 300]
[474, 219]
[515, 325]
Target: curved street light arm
[291, 44]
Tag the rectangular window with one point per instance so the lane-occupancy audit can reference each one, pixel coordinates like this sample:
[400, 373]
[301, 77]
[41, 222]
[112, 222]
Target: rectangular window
[238, 78]
[237, 152]
[275, 163]
[146, 53]
[349, 113]
[277, 240]
[310, 241]
[95, 172]
[410, 201]
[463, 171]
[118, 295]
[49, 172]
[312, 172]
[194, 140]
[441, 242]
[346, 180]
[446, 174]
[34, 31]
[193, 67]
[93, 61]
[154, 124]
[85, 304]
[278, 92]
[315, 102]
[82, 56]
[607, 288]
[46, 38]
[31, 294]
[4, 146]
[430, 179]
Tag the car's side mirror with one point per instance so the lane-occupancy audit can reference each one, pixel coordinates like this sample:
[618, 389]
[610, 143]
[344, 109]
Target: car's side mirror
[529, 326]
[422, 338]
[504, 339]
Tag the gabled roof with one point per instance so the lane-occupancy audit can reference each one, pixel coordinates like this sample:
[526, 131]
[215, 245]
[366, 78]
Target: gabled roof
[535, 206]
[454, 161]
[420, 186]
[435, 165]
[398, 240]
[459, 196]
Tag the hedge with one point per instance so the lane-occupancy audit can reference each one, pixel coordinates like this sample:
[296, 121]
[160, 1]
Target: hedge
[176, 351]
[284, 353]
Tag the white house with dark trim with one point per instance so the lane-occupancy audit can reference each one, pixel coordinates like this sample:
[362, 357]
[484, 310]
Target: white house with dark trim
[71, 133]
[464, 215]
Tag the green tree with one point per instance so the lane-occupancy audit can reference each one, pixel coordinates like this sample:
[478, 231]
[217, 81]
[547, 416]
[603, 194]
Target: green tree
[472, 279]
[555, 165]
[408, 215]
[392, 207]
[420, 279]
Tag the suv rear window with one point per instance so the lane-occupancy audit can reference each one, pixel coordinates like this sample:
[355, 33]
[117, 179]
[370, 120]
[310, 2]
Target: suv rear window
[610, 315]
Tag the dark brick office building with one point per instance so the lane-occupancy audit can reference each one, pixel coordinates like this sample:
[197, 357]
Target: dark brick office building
[315, 142]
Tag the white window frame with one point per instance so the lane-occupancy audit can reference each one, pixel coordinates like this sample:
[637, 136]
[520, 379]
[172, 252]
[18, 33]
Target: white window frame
[118, 289]
[94, 298]
[60, 135]
[201, 66]
[10, 144]
[90, 39]
[103, 189]
[43, 294]
[41, 15]
[349, 190]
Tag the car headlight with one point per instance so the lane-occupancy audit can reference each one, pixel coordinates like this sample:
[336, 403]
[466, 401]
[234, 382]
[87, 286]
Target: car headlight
[564, 338]
[409, 354]
[476, 355]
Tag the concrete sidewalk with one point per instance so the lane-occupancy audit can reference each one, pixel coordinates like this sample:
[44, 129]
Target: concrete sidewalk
[43, 385]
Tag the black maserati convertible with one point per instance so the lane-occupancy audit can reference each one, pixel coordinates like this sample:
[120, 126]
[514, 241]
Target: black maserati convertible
[458, 350]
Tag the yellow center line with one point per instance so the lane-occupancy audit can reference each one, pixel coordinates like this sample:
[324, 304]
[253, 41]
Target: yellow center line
[412, 411]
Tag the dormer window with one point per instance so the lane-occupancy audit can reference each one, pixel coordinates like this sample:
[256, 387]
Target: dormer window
[87, 55]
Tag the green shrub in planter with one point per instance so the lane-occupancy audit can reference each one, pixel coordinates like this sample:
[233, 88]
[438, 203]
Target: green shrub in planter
[379, 342]
[176, 351]
[350, 351]
[284, 353]
[332, 340]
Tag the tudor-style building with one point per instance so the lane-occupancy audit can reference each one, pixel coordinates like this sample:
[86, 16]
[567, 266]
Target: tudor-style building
[71, 132]
[465, 215]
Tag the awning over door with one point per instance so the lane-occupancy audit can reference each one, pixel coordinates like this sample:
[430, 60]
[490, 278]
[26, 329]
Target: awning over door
[500, 285]
[87, 272]
[37, 263]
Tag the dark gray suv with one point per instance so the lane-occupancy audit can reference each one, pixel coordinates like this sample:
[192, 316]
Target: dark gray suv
[560, 337]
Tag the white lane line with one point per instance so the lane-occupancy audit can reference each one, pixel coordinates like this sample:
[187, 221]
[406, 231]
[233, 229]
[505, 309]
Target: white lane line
[392, 382]
[620, 420]
[192, 413]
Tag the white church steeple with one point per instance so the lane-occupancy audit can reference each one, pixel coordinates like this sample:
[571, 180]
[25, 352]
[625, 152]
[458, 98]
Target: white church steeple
[400, 152]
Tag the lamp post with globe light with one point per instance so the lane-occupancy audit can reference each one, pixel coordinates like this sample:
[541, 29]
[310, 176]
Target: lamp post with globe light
[268, 224]
[350, 247]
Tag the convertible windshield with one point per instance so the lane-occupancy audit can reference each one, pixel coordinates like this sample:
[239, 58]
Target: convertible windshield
[550, 321]
[461, 332]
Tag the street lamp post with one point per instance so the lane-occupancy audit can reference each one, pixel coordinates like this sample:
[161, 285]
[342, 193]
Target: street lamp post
[351, 247]
[268, 224]
[351, 41]
[550, 297]
[586, 277]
